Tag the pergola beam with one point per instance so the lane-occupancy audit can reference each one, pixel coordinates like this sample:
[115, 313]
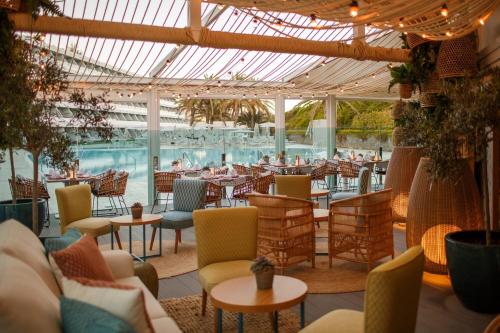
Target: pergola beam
[208, 38]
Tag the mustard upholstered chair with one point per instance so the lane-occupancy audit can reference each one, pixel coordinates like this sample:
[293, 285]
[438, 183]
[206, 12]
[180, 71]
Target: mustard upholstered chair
[75, 211]
[226, 241]
[294, 186]
[391, 300]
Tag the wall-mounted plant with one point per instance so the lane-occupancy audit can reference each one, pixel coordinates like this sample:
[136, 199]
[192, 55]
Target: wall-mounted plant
[404, 76]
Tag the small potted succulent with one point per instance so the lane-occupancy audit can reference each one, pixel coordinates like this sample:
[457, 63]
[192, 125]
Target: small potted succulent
[136, 210]
[263, 269]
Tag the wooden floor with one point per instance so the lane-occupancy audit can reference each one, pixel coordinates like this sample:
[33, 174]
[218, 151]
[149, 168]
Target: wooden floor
[439, 309]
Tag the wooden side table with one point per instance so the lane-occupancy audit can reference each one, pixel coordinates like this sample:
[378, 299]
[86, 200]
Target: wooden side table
[241, 295]
[316, 193]
[128, 220]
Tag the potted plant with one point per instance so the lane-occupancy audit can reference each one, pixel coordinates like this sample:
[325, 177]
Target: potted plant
[263, 269]
[136, 210]
[32, 85]
[405, 76]
[473, 256]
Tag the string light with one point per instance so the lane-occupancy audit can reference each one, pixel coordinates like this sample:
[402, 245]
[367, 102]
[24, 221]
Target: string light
[444, 10]
[235, 13]
[220, 6]
[323, 63]
[255, 21]
[373, 76]
[177, 46]
[424, 36]
[242, 59]
[219, 84]
[278, 23]
[401, 24]
[307, 75]
[481, 21]
[356, 84]
[314, 22]
[150, 86]
[354, 8]
[449, 34]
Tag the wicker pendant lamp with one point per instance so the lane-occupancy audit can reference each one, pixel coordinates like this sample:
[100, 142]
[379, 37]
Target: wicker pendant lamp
[400, 172]
[437, 208]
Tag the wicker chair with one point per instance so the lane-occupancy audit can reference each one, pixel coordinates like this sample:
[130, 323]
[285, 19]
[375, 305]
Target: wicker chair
[257, 170]
[242, 170]
[318, 175]
[349, 172]
[24, 190]
[164, 183]
[285, 231]
[215, 193]
[102, 185]
[261, 184]
[119, 191]
[360, 228]
[240, 191]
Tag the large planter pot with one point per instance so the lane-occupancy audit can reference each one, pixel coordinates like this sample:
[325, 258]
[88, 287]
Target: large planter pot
[436, 208]
[400, 172]
[475, 269]
[22, 212]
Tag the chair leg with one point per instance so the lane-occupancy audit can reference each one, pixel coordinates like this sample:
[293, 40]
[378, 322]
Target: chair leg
[118, 241]
[166, 202]
[125, 204]
[155, 200]
[96, 241]
[152, 239]
[177, 236]
[204, 297]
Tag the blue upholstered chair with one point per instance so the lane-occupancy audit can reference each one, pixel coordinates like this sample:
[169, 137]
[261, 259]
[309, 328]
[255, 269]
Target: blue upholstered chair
[189, 195]
[363, 179]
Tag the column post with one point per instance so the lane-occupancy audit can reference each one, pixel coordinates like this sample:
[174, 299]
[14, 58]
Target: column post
[331, 130]
[153, 152]
[279, 121]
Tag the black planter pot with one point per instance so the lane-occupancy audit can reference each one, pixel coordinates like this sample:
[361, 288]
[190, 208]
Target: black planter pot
[475, 269]
[21, 212]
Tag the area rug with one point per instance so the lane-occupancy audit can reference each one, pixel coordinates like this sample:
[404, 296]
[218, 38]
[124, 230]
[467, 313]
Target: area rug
[169, 264]
[186, 313]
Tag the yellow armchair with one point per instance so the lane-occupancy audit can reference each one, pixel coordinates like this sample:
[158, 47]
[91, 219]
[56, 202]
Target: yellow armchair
[391, 300]
[75, 211]
[226, 241]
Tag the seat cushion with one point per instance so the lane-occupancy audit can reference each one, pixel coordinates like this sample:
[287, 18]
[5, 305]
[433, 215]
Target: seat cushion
[165, 324]
[341, 321]
[176, 219]
[26, 302]
[21, 243]
[213, 274]
[93, 226]
[343, 195]
[153, 307]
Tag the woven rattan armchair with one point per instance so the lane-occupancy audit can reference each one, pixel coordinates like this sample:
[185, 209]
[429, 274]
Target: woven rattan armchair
[285, 232]
[164, 183]
[360, 228]
[257, 170]
[318, 175]
[261, 184]
[24, 190]
[102, 185]
[120, 188]
[241, 191]
[215, 194]
[242, 170]
[349, 172]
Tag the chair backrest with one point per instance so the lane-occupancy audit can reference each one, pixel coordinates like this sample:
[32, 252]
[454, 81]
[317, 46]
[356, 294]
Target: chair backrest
[74, 203]
[225, 234]
[214, 193]
[319, 172]
[349, 169]
[261, 184]
[294, 186]
[392, 294]
[164, 181]
[189, 194]
[24, 188]
[363, 180]
[241, 169]
[121, 183]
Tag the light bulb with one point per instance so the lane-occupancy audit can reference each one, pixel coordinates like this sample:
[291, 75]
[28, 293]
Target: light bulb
[314, 22]
[220, 6]
[353, 8]
[449, 34]
[277, 24]
[307, 75]
[444, 10]
[481, 21]
[323, 63]
[401, 24]
[255, 21]
[356, 84]
[219, 84]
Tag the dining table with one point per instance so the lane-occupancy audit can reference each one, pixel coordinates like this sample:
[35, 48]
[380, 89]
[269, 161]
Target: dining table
[289, 169]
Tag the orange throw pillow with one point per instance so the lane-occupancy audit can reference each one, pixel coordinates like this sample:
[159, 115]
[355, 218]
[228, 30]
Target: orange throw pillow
[81, 259]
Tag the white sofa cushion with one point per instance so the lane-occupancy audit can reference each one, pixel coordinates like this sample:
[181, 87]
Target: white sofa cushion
[20, 242]
[26, 302]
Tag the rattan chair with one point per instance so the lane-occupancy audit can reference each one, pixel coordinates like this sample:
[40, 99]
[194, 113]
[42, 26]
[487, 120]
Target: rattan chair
[318, 175]
[215, 193]
[119, 191]
[164, 183]
[242, 170]
[240, 191]
[294, 186]
[257, 170]
[360, 228]
[102, 185]
[285, 232]
[24, 190]
[349, 172]
[261, 184]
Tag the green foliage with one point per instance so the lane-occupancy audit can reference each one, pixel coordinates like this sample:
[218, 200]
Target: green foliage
[403, 74]
[423, 61]
[261, 264]
[382, 119]
[411, 119]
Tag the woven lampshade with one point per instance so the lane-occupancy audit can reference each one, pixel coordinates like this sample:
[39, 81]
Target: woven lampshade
[432, 84]
[400, 172]
[415, 40]
[457, 57]
[438, 208]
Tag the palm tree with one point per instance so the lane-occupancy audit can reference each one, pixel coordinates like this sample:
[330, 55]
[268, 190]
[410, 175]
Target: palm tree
[201, 109]
[254, 112]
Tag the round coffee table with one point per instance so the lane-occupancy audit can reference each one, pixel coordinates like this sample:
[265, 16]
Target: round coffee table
[242, 296]
[318, 192]
[128, 220]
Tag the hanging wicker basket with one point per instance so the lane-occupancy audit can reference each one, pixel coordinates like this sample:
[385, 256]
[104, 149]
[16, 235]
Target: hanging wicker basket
[414, 40]
[457, 57]
[427, 100]
[397, 109]
[405, 90]
[10, 4]
[432, 84]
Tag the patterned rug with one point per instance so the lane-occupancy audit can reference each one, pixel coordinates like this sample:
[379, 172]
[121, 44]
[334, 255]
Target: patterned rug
[186, 312]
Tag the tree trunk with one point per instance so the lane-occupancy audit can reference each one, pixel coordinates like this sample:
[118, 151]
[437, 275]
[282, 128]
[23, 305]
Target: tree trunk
[486, 200]
[34, 203]
[13, 176]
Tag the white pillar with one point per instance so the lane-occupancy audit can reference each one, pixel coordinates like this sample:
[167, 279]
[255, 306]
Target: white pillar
[153, 125]
[279, 122]
[331, 131]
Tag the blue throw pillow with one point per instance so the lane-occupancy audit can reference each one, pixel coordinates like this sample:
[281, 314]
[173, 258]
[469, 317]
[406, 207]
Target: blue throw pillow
[80, 317]
[60, 243]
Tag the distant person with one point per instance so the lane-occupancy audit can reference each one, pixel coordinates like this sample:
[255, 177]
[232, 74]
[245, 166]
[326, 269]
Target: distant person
[264, 160]
[359, 158]
[175, 166]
